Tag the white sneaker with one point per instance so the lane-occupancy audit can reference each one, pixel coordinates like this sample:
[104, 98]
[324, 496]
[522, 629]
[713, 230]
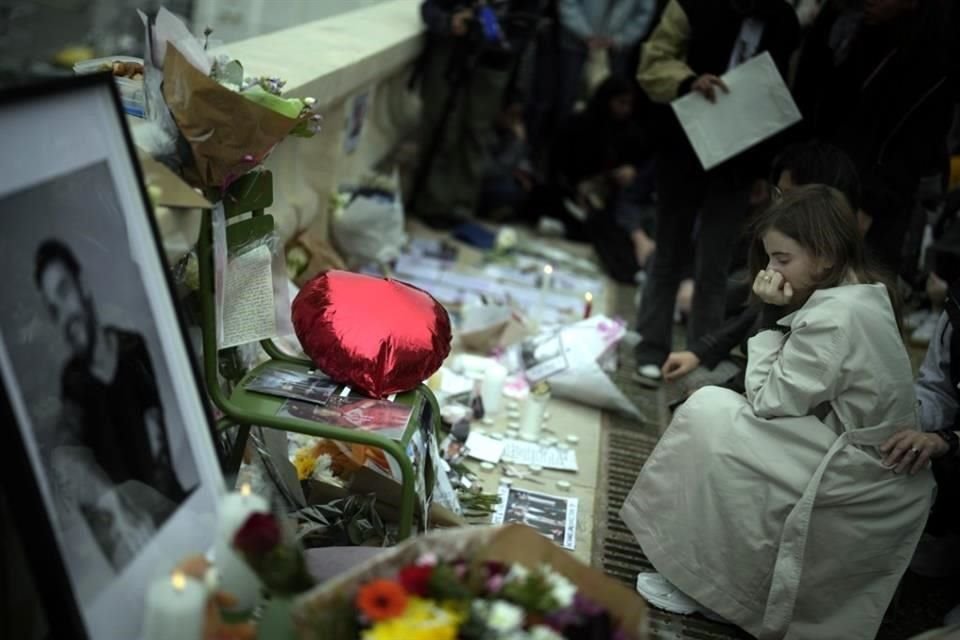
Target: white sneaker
[648, 375]
[661, 593]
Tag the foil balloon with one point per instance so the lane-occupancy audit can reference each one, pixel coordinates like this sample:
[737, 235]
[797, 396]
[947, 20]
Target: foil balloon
[378, 335]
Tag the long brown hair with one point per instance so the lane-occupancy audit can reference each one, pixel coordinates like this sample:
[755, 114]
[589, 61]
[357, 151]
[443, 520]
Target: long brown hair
[820, 220]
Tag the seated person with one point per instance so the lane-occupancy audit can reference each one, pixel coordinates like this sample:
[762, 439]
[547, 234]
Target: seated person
[804, 163]
[509, 178]
[936, 440]
[775, 510]
[603, 163]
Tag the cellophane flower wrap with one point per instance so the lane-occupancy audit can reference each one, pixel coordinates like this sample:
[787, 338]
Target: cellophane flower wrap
[229, 132]
[476, 583]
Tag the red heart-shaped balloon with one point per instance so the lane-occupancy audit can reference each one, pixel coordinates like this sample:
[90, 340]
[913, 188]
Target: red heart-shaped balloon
[378, 335]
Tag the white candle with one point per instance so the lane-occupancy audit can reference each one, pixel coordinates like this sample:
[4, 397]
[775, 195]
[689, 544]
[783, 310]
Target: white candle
[531, 419]
[544, 288]
[235, 575]
[492, 388]
[176, 607]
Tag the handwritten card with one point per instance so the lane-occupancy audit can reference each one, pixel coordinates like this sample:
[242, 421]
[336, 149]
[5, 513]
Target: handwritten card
[248, 311]
[521, 452]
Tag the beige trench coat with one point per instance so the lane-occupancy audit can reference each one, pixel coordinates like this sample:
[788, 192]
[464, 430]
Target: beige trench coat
[774, 509]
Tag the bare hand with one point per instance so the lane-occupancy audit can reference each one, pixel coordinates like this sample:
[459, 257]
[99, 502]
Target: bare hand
[911, 449]
[624, 175]
[770, 287]
[679, 364]
[706, 85]
[460, 21]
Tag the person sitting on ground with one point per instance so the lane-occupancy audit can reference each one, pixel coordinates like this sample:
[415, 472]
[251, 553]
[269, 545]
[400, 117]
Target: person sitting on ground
[804, 163]
[775, 510]
[509, 178]
[603, 160]
[936, 441]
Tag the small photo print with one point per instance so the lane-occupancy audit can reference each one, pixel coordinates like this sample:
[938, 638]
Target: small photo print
[542, 357]
[309, 387]
[555, 517]
[387, 418]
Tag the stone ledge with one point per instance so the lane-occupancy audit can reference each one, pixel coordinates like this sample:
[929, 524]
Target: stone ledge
[336, 56]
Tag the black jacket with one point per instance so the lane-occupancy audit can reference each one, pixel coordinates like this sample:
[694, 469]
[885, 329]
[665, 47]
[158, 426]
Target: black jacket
[884, 98]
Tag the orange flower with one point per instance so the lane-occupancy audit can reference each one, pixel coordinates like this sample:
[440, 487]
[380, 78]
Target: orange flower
[381, 600]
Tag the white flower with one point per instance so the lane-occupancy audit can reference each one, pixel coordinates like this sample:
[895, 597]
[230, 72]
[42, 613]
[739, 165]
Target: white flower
[562, 589]
[323, 470]
[540, 632]
[504, 617]
[506, 239]
[517, 573]
[428, 559]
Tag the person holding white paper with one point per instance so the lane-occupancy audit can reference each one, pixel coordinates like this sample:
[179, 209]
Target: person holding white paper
[695, 42]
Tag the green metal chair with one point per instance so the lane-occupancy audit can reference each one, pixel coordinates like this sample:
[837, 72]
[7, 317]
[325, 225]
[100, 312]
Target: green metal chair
[242, 408]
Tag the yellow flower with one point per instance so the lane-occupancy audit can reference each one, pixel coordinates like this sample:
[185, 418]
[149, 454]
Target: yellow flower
[304, 460]
[421, 620]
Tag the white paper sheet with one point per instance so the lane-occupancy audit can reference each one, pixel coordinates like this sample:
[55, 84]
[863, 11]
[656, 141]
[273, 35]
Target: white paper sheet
[484, 448]
[248, 299]
[758, 106]
[521, 452]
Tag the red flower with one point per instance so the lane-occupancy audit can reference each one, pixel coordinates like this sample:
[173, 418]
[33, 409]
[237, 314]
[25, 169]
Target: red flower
[416, 578]
[381, 600]
[259, 535]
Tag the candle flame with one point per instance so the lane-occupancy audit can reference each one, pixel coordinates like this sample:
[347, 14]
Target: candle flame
[245, 489]
[548, 269]
[588, 296]
[178, 580]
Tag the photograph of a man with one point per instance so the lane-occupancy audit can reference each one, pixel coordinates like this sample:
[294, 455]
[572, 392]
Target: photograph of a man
[114, 459]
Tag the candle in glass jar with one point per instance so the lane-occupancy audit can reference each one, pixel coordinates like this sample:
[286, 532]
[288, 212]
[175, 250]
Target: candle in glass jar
[531, 419]
[176, 609]
[544, 288]
[234, 574]
[588, 304]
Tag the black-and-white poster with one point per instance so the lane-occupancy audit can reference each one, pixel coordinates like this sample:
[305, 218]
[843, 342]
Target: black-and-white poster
[93, 358]
[555, 517]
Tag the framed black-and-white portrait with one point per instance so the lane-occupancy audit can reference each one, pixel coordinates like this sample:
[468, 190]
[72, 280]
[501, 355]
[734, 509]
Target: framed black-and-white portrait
[113, 434]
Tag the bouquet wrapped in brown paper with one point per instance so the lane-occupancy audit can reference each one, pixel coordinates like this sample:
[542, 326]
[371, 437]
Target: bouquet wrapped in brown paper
[476, 582]
[229, 132]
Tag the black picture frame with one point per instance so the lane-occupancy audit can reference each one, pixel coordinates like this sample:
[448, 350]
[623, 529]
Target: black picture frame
[23, 483]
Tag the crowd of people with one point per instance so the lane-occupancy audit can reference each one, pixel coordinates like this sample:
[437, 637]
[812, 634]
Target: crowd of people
[790, 497]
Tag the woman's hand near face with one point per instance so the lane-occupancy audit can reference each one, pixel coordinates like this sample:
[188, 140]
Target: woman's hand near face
[770, 287]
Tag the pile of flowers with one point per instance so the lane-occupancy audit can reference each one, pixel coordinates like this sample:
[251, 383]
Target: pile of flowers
[436, 600]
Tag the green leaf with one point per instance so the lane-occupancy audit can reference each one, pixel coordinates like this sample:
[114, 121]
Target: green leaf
[287, 107]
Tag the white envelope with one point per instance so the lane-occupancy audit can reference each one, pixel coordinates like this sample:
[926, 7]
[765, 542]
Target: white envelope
[758, 106]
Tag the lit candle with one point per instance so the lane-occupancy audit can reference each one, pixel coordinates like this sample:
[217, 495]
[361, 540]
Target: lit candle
[588, 306]
[176, 609]
[234, 574]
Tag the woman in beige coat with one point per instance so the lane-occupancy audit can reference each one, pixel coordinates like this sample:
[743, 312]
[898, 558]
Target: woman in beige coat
[775, 510]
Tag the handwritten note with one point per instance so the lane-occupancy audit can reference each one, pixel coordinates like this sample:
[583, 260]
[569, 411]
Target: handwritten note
[520, 452]
[248, 311]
